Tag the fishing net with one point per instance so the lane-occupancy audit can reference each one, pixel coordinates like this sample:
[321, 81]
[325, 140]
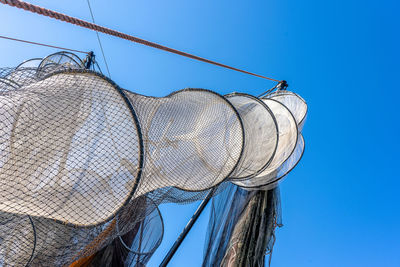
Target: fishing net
[241, 227]
[298, 108]
[192, 138]
[288, 134]
[17, 239]
[66, 146]
[84, 164]
[135, 247]
[260, 145]
[294, 103]
[274, 177]
[59, 244]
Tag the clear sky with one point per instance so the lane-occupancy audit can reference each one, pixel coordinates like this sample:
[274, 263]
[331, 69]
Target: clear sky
[341, 204]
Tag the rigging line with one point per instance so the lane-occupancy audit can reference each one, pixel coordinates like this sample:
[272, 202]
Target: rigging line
[269, 90]
[95, 27]
[35, 43]
[98, 39]
[282, 85]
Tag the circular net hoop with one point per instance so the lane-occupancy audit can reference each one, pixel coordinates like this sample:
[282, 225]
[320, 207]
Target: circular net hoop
[70, 149]
[298, 108]
[288, 133]
[295, 103]
[20, 77]
[7, 84]
[25, 73]
[287, 166]
[60, 245]
[30, 63]
[57, 62]
[261, 135]
[140, 243]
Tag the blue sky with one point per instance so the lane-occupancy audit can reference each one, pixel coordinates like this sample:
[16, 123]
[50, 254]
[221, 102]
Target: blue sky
[341, 203]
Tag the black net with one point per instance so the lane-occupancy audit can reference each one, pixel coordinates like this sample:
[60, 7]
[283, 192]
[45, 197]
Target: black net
[241, 227]
[59, 244]
[135, 247]
[84, 164]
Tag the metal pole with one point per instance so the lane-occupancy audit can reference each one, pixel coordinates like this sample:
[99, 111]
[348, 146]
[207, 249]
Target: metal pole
[186, 230]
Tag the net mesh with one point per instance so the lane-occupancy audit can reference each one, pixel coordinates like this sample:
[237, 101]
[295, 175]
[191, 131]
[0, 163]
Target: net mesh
[193, 139]
[84, 164]
[260, 145]
[275, 177]
[241, 227]
[288, 133]
[135, 247]
[17, 239]
[294, 103]
[68, 139]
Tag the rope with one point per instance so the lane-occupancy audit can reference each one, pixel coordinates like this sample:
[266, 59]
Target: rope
[95, 27]
[52, 46]
[98, 39]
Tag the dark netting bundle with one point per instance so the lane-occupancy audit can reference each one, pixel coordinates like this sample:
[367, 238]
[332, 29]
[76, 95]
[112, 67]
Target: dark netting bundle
[84, 164]
[135, 247]
[241, 227]
[243, 219]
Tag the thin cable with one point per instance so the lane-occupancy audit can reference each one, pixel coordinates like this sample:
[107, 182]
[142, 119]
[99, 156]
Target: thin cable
[98, 38]
[268, 91]
[95, 27]
[282, 85]
[35, 43]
